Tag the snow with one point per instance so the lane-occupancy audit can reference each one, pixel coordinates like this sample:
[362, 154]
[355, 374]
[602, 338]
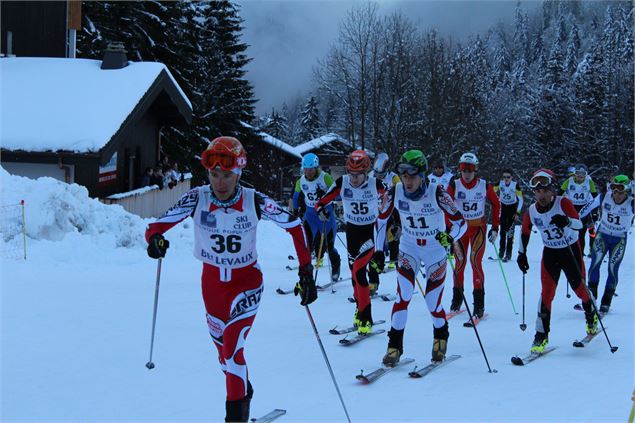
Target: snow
[279, 144]
[51, 104]
[318, 142]
[76, 321]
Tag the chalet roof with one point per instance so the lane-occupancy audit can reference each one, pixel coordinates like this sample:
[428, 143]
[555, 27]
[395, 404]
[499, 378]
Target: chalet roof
[325, 140]
[58, 104]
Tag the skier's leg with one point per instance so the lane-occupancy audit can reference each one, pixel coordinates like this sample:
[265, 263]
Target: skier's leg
[597, 256]
[460, 251]
[477, 242]
[549, 275]
[618, 248]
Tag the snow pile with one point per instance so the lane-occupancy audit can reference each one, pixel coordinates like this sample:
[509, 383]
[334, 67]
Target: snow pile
[54, 209]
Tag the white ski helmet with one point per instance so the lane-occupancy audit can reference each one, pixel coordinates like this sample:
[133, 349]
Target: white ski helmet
[381, 165]
[469, 158]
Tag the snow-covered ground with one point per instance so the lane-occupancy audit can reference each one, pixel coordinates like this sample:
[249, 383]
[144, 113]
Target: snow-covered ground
[76, 320]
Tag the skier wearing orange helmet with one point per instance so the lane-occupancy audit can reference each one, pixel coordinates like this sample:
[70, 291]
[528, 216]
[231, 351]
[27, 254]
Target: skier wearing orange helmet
[226, 216]
[360, 195]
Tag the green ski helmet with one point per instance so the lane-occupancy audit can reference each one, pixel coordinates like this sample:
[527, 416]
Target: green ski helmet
[621, 182]
[412, 162]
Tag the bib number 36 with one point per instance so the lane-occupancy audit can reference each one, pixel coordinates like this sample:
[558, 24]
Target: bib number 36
[231, 243]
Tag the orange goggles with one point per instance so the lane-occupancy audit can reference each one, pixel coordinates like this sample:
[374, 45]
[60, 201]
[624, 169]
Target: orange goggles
[225, 161]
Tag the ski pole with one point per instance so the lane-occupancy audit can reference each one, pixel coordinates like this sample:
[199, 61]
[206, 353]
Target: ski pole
[523, 326]
[568, 295]
[150, 364]
[505, 279]
[472, 320]
[326, 359]
[582, 281]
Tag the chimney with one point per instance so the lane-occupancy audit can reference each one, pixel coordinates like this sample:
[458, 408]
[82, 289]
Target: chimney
[114, 57]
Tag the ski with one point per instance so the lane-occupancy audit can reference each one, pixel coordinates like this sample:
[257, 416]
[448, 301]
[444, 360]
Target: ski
[376, 374]
[432, 366]
[270, 416]
[290, 257]
[350, 341]
[582, 343]
[452, 314]
[284, 291]
[521, 361]
[477, 320]
[578, 307]
[291, 267]
[330, 284]
[383, 297]
[350, 329]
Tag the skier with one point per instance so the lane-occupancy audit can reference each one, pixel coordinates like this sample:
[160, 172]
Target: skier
[469, 193]
[225, 216]
[423, 207]
[311, 186]
[616, 215]
[511, 198]
[558, 223]
[581, 190]
[439, 174]
[390, 179]
[360, 195]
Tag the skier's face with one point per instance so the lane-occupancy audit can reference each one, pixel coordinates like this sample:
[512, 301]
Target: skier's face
[543, 196]
[579, 177]
[357, 179]
[411, 182]
[438, 170]
[310, 173]
[223, 183]
[468, 174]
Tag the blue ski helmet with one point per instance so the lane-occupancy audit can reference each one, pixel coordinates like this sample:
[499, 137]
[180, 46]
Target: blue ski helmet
[310, 161]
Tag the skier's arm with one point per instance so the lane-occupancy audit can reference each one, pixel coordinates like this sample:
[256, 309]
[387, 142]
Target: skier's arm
[591, 205]
[328, 180]
[183, 209]
[525, 233]
[496, 206]
[564, 186]
[593, 188]
[296, 195]
[451, 188]
[384, 215]
[331, 194]
[519, 195]
[451, 212]
[270, 210]
[571, 213]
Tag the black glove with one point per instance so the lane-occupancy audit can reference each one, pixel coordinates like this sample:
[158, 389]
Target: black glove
[323, 214]
[305, 287]
[560, 220]
[158, 246]
[394, 230]
[378, 261]
[523, 265]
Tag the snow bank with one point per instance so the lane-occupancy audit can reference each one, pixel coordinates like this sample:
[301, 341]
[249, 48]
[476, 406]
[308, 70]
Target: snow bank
[54, 209]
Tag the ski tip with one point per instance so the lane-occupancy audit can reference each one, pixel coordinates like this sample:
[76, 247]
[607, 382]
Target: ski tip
[578, 344]
[517, 361]
[363, 379]
[414, 374]
[614, 348]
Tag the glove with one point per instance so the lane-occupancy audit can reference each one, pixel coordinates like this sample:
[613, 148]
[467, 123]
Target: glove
[523, 265]
[491, 235]
[378, 261]
[323, 214]
[305, 287]
[158, 246]
[445, 240]
[560, 220]
[297, 213]
[394, 230]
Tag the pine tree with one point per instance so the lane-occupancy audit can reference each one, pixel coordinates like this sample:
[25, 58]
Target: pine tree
[310, 120]
[276, 125]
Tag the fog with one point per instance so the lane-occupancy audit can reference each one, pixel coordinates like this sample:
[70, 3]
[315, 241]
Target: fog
[286, 38]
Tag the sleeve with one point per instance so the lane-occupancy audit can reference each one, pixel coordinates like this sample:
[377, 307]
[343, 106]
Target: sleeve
[496, 207]
[270, 210]
[384, 215]
[593, 188]
[331, 194]
[452, 213]
[395, 180]
[519, 195]
[328, 180]
[591, 205]
[571, 213]
[525, 233]
[296, 195]
[564, 186]
[496, 188]
[183, 209]
[451, 188]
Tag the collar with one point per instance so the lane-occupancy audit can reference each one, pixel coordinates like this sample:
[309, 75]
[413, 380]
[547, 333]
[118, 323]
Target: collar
[471, 184]
[236, 202]
[417, 194]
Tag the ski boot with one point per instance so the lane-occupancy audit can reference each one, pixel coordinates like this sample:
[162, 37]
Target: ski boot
[479, 302]
[606, 300]
[507, 258]
[391, 359]
[237, 411]
[592, 324]
[457, 299]
[395, 348]
[440, 343]
[334, 258]
[356, 322]
[365, 325]
[391, 265]
[540, 343]
[372, 288]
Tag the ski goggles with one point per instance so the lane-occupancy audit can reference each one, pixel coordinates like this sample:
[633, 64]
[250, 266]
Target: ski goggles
[225, 161]
[541, 180]
[411, 170]
[617, 187]
[467, 167]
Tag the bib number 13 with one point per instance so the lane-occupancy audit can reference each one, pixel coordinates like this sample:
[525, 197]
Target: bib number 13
[231, 243]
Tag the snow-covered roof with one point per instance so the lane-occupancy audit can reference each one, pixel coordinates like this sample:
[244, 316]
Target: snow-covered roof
[51, 104]
[316, 143]
[280, 144]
